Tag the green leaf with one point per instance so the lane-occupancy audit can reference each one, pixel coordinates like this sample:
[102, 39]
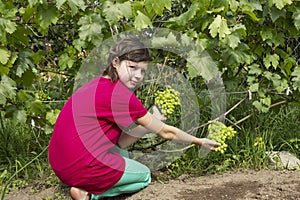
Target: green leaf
[47, 16]
[65, 61]
[59, 3]
[91, 28]
[232, 40]
[201, 65]
[7, 89]
[280, 3]
[276, 13]
[219, 26]
[75, 4]
[52, 116]
[34, 2]
[233, 5]
[23, 62]
[158, 6]
[271, 60]
[255, 69]
[4, 55]
[35, 107]
[254, 87]
[20, 116]
[296, 17]
[165, 42]
[115, 12]
[7, 25]
[187, 16]
[142, 21]
[296, 78]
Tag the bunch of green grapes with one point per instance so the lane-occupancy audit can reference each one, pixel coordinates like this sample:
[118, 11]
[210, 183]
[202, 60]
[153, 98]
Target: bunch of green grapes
[167, 100]
[221, 133]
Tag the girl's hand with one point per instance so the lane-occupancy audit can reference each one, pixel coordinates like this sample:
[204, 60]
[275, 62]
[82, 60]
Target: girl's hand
[209, 144]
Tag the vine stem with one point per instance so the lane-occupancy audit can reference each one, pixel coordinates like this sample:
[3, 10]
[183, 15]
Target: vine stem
[27, 164]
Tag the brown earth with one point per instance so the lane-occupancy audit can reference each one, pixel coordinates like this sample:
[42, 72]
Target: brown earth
[246, 185]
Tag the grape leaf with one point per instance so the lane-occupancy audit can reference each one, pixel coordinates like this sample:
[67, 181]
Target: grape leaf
[23, 62]
[4, 55]
[232, 40]
[233, 5]
[201, 64]
[158, 6]
[165, 42]
[296, 17]
[271, 60]
[47, 16]
[7, 87]
[255, 69]
[65, 61]
[59, 3]
[91, 28]
[75, 4]
[20, 116]
[52, 115]
[142, 21]
[7, 25]
[219, 26]
[276, 13]
[115, 12]
[186, 17]
[280, 3]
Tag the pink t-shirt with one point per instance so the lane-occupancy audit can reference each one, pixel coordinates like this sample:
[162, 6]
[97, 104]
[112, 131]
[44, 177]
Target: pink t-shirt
[86, 130]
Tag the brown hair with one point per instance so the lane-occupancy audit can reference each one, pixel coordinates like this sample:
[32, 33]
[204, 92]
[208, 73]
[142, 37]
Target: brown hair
[130, 48]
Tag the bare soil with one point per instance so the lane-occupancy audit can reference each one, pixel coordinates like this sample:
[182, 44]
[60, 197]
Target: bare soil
[238, 185]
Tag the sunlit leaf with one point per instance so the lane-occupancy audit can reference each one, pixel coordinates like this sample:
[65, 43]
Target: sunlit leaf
[7, 25]
[142, 21]
[219, 26]
[115, 12]
[52, 116]
[4, 55]
[158, 6]
[91, 28]
[280, 3]
[201, 65]
[75, 5]
[271, 60]
[296, 17]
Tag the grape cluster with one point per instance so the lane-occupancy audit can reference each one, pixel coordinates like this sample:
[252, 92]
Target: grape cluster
[167, 100]
[221, 133]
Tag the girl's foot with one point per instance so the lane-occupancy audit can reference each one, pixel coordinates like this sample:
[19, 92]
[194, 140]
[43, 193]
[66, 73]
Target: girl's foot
[79, 194]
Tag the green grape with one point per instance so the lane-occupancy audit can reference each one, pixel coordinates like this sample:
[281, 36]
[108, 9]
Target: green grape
[167, 100]
[219, 132]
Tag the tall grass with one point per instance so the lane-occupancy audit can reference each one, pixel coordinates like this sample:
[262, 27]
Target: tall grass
[23, 154]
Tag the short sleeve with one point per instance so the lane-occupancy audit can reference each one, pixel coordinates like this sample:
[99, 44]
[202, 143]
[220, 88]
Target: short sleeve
[126, 107]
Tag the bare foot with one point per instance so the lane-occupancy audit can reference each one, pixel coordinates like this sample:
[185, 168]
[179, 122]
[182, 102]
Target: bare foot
[79, 194]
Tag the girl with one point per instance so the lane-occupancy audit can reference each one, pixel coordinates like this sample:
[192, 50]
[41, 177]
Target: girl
[82, 150]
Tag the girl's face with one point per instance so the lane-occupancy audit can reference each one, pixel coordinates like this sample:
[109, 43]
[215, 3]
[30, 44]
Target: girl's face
[131, 73]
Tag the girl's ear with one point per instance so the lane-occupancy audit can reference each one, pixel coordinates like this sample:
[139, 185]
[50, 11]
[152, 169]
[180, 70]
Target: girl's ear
[116, 62]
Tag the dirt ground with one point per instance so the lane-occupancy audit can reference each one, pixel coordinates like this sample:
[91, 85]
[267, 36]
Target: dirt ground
[246, 185]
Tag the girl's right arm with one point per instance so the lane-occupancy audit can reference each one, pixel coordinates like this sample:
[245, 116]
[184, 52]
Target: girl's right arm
[172, 133]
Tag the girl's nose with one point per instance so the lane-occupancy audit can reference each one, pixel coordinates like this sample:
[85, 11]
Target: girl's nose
[138, 73]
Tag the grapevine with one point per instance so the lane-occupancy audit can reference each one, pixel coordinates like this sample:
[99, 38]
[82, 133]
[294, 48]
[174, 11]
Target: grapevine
[221, 133]
[167, 100]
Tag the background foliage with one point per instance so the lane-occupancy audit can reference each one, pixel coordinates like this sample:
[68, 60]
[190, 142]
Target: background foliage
[255, 44]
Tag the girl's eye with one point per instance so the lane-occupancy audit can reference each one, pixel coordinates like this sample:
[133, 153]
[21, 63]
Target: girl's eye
[131, 66]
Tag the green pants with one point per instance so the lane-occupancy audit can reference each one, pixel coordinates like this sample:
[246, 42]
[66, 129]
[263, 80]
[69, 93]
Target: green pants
[136, 176]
